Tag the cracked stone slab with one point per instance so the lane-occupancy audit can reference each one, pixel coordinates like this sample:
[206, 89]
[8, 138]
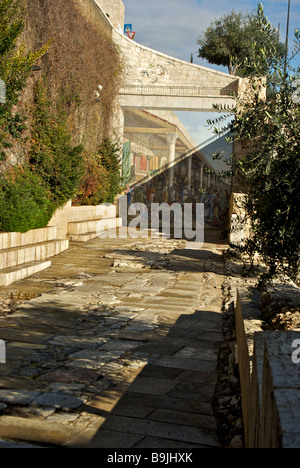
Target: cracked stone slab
[78, 341]
[58, 401]
[18, 397]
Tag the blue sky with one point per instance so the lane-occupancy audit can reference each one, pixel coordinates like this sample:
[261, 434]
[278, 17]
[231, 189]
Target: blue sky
[173, 27]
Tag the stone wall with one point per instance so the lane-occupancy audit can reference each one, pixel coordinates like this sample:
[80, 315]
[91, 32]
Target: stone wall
[270, 377]
[239, 225]
[114, 10]
[93, 13]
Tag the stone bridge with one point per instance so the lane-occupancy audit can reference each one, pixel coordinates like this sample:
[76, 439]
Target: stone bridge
[154, 80]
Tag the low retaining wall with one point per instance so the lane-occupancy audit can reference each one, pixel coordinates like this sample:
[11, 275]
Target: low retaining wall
[269, 365]
[24, 254]
[63, 217]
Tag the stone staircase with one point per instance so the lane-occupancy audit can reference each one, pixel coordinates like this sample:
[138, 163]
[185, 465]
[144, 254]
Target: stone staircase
[24, 254]
[88, 227]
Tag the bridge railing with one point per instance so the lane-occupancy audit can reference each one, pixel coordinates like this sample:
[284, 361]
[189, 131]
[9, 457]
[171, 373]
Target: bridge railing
[178, 90]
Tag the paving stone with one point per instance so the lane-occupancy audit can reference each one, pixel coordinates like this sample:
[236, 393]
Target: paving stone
[165, 430]
[155, 442]
[17, 445]
[3, 406]
[184, 418]
[68, 388]
[34, 430]
[186, 363]
[160, 372]
[151, 385]
[160, 347]
[193, 391]
[133, 352]
[201, 377]
[104, 439]
[64, 418]
[181, 404]
[198, 353]
[138, 411]
[18, 397]
[140, 327]
[119, 345]
[58, 400]
[81, 342]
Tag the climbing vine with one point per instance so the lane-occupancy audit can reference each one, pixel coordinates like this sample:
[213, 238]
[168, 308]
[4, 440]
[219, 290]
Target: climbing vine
[62, 126]
[52, 156]
[15, 68]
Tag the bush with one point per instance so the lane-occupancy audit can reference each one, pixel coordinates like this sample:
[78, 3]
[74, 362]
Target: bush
[102, 180]
[25, 202]
[52, 157]
[15, 68]
[94, 187]
[109, 156]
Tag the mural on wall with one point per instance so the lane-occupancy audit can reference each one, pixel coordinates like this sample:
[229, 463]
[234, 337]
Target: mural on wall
[202, 187]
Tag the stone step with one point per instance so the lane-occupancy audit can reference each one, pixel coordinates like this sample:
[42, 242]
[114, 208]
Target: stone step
[86, 213]
[15, 256]
[10, 240]
[85, 230]
[11, 275]
[36, 431]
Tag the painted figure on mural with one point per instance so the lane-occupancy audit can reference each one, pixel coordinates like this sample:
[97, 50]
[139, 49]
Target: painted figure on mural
[172, 195]
[129, 191]
[165, 195]
[216, 199]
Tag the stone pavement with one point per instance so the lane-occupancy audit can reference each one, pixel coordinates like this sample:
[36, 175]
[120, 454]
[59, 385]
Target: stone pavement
[114, 346]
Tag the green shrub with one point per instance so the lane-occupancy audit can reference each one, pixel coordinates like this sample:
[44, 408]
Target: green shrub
[52, 156]
[109, 156]
[15, 68]
[94, 186]
[25, 202]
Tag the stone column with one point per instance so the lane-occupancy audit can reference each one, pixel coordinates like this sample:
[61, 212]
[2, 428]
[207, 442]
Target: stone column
[201, 174]
[159, 155]
[171, 140]
[149, 159]
[189, 172]
[118, 125]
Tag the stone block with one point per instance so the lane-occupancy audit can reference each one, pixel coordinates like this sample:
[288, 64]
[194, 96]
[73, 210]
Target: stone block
[58, 401]
[280, 406]
[12, 427]
[18, 397]
[11, 275]
[237, 203]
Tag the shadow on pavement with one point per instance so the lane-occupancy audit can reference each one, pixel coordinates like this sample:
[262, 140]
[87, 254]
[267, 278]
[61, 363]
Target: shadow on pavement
[169, 402]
